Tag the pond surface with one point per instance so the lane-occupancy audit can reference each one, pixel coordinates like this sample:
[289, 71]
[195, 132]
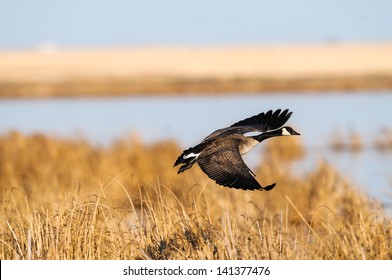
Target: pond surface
[319, 118]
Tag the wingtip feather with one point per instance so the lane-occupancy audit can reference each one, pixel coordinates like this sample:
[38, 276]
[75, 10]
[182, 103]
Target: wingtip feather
[270, 187]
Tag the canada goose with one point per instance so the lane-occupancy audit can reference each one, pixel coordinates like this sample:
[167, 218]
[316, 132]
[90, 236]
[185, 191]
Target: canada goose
[219, 154]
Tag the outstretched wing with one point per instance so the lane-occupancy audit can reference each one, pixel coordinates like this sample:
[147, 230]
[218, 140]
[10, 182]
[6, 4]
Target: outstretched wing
[265, 121]
[227, 168]
[258, 123]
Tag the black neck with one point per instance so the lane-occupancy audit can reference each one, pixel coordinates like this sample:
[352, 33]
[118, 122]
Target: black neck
[267, 135]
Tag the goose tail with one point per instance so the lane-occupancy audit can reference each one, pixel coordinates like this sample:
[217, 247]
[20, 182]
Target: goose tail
[187, 158]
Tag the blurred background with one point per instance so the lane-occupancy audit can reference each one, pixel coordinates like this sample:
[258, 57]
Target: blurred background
[103, 70]
[43, 23]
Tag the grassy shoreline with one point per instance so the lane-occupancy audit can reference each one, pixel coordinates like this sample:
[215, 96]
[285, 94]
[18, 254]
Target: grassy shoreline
[65, 199]
[157, 71]
[158, 86]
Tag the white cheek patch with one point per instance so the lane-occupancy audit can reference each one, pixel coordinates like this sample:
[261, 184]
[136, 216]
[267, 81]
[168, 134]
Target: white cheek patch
[191, 155]
[285, 132]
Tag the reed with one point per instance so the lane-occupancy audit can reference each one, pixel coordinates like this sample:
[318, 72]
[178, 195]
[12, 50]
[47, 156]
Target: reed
[384, 140]
[352, 142]
[67, 199]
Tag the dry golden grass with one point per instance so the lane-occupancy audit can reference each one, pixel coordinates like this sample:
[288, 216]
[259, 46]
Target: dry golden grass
[64, 199]
[353, 142]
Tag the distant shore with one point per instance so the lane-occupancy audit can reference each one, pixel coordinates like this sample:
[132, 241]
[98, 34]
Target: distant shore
[187, 70]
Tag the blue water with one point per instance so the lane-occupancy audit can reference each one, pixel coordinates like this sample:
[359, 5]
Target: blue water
[189, 119]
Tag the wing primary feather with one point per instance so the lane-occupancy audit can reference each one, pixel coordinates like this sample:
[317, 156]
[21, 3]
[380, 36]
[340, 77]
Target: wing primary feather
[265, 121]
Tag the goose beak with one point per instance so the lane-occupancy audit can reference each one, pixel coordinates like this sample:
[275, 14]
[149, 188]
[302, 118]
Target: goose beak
[295, 133]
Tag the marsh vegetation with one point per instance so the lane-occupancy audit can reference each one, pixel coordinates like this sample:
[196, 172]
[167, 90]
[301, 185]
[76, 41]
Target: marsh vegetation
[68, 199]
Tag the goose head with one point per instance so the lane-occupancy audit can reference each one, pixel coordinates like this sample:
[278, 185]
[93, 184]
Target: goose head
[286, 131]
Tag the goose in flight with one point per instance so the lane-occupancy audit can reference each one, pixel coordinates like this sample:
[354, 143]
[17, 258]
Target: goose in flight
[219, 154]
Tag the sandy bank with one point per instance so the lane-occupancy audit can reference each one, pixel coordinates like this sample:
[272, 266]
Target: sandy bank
[106, 72]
